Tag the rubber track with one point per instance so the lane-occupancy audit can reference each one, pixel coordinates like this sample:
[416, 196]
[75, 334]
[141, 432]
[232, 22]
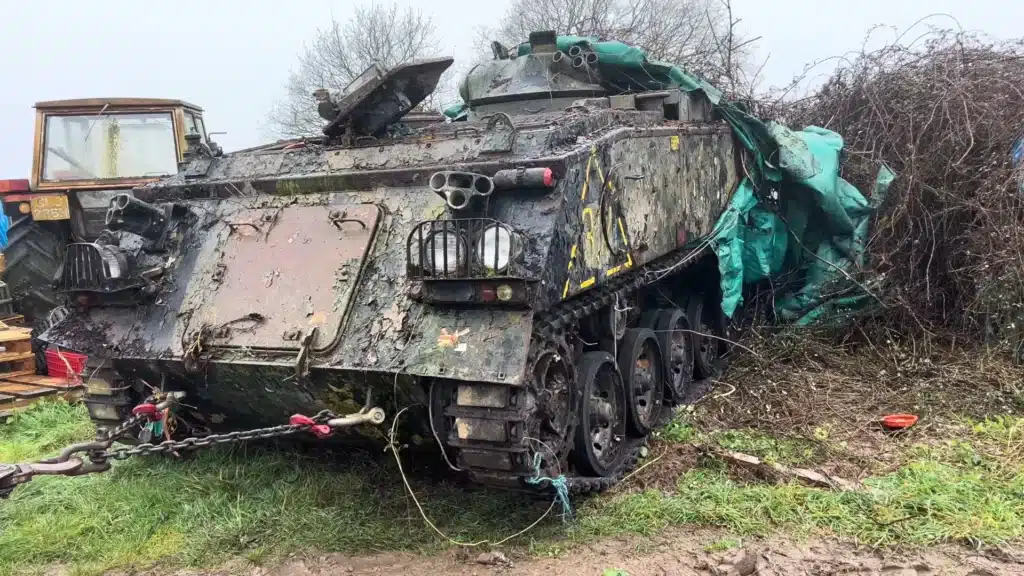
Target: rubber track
[546, 329]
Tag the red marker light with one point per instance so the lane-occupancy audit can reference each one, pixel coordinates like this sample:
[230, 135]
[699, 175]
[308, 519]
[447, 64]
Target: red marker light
[487, 293]
[549, 178]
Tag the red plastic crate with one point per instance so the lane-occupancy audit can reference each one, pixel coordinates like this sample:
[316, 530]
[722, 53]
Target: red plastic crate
[57, 363]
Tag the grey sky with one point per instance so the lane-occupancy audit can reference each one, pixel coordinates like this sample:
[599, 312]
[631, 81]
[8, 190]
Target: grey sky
[233, 57]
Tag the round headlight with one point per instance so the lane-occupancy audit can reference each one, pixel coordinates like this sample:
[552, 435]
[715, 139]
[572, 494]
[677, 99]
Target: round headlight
[495, 247]
[445, 253]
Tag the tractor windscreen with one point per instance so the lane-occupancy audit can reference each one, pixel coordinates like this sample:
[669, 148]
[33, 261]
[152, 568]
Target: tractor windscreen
[108, 146]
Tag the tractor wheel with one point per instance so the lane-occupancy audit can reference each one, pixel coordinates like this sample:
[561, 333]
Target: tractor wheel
[34, 255]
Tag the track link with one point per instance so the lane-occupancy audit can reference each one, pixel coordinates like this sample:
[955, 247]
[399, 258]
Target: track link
[494, 429]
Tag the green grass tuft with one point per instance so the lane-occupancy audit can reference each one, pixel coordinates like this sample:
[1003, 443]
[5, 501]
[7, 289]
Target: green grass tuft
[678, 430]
[797, 451]
[46, 427]
[723, 545]
[790, 451]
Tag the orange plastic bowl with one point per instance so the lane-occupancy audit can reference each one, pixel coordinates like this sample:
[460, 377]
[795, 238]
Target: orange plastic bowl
[899, 421]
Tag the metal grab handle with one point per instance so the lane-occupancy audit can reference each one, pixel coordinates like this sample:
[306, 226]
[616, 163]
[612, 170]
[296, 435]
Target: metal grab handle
[499, 118]
[471, 129]
[236, 225]
[339, 221]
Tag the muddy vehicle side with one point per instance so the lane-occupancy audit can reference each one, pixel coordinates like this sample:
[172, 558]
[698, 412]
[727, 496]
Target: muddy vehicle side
[523, 280]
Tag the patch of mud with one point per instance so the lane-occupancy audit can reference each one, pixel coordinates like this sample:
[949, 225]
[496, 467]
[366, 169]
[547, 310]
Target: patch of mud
[676, 554]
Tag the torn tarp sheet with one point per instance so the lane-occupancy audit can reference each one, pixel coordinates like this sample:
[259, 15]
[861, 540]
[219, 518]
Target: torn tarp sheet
[794, 218]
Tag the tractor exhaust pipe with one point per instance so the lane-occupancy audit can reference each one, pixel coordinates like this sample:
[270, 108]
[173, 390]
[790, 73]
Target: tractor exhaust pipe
[129, 214]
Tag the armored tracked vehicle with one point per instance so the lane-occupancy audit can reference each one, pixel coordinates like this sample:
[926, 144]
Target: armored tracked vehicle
[532, 280]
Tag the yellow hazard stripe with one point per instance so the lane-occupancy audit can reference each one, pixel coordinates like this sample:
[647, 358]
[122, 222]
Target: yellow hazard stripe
[586, 179]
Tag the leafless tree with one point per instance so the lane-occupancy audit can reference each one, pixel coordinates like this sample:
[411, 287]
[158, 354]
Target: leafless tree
[699, 35]
[377, 34]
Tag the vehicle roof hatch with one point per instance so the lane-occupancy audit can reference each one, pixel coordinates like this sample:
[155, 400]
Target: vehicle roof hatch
[376, 98]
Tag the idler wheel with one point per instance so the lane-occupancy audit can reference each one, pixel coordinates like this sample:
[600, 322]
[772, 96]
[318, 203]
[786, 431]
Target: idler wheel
[643, 371]
[553, 375]
[675, 338]
[601, 431]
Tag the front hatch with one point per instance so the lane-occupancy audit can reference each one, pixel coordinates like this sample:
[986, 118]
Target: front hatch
[283, 271]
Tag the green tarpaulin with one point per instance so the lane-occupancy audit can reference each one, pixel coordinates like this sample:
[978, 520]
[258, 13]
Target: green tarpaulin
[793, 219]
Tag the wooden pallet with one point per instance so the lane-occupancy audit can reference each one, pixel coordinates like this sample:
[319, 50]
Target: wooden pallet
[21, 391]
[12, 320]
[20, 386]
[16, 350]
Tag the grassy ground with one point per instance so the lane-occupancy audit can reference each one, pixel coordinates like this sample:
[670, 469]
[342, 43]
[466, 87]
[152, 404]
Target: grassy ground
[970, 489]
[951, 478]
[249, 501]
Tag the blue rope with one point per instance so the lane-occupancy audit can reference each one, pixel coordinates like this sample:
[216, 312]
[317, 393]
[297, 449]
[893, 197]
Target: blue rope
[559, 484]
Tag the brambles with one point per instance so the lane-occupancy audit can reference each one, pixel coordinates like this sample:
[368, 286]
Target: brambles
[945, 112]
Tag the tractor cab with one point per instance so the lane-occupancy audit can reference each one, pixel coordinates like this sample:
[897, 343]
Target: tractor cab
[86, 151]
[89, 149]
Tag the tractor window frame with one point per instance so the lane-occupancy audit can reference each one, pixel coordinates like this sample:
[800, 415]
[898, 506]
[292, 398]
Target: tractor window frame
[202, 127]
[43, 118]
[197, 123]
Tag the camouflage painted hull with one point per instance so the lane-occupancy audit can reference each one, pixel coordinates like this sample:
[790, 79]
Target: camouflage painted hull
[282, 242]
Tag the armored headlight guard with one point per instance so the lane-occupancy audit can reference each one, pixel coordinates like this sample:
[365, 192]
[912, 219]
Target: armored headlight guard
[465, 248]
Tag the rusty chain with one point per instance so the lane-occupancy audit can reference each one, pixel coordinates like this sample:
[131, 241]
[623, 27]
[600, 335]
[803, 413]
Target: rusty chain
[195, 442]
[97, 454]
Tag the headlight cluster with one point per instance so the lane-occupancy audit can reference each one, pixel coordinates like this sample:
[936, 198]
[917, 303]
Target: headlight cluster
[446, 250]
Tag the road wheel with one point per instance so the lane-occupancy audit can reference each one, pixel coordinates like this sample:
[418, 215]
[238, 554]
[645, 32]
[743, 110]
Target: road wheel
[706, 336]
[643, 371]
[676, 341]
[601, 431]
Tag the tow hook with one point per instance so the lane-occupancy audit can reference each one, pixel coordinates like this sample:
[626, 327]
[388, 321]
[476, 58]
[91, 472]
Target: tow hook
[372, 416]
